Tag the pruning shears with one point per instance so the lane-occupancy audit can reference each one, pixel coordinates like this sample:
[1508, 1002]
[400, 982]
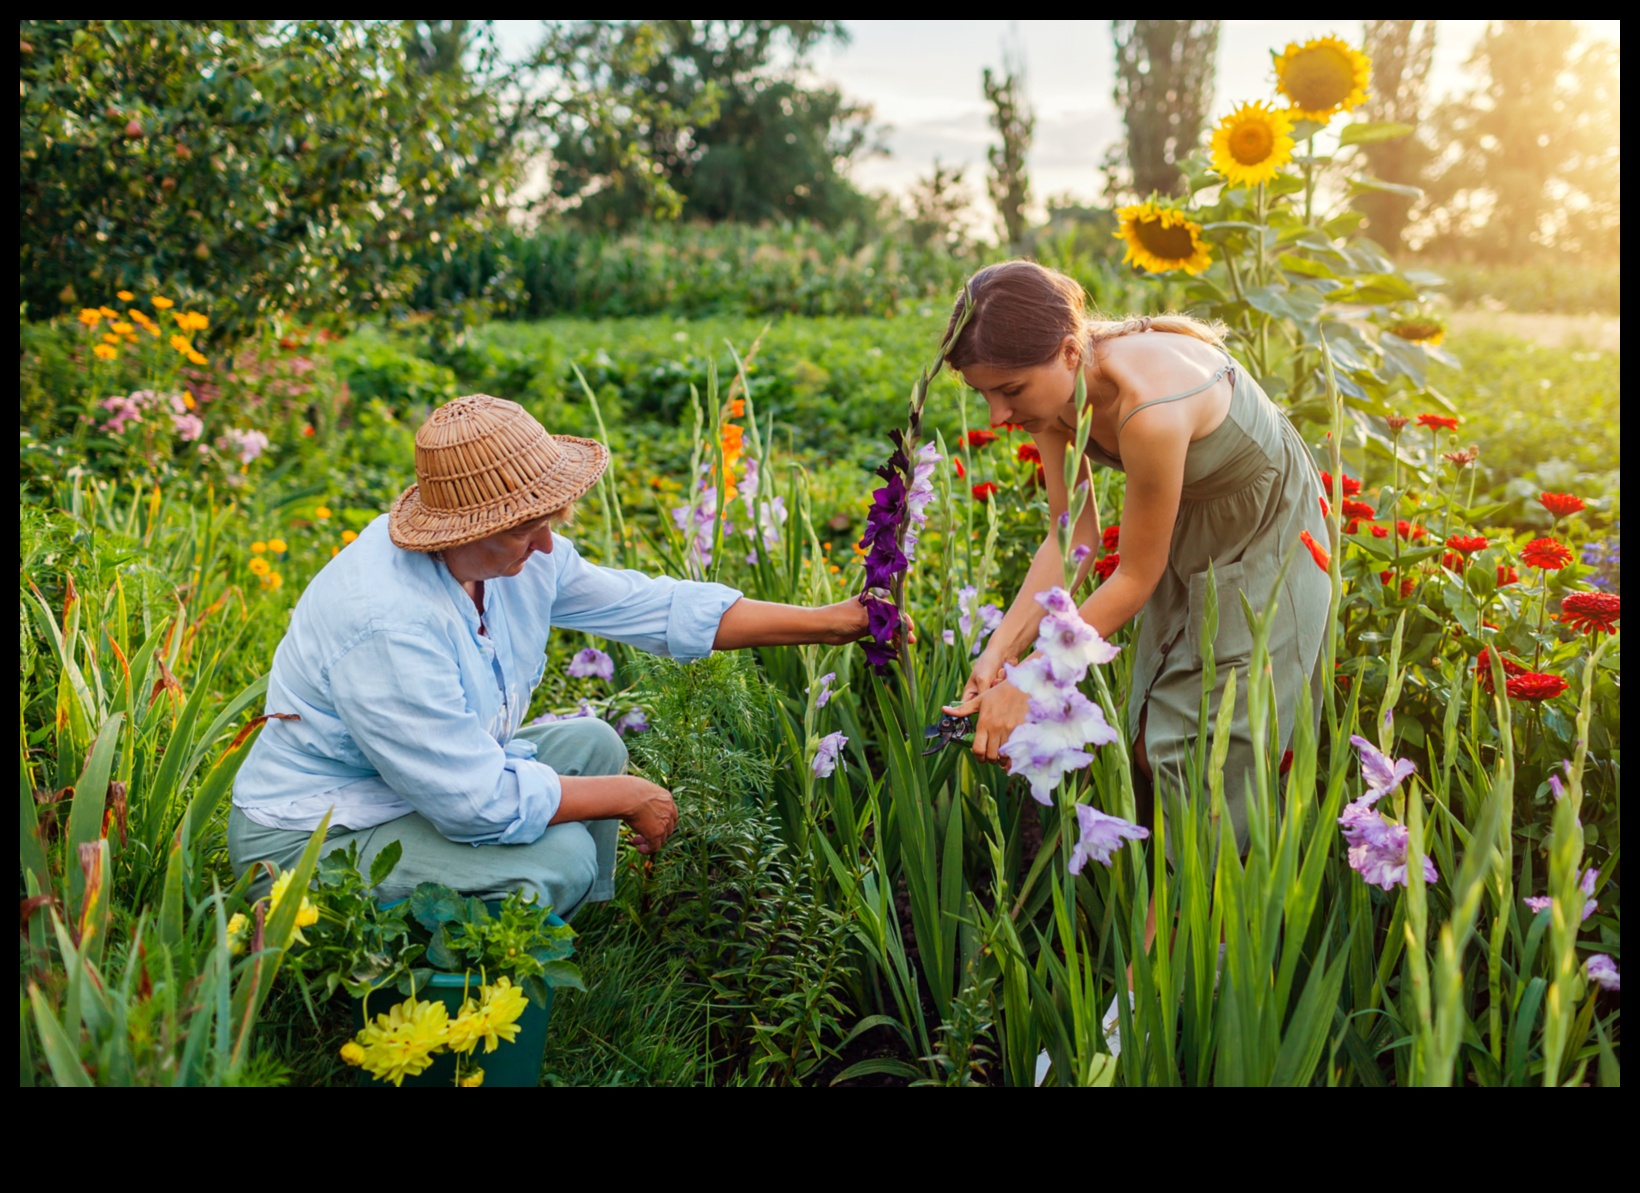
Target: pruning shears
[947, 730]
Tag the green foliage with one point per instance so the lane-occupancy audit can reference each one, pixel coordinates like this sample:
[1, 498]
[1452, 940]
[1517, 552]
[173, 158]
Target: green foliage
[1401, 52]
[1550, 283]
[1013, 121]
[286, 166]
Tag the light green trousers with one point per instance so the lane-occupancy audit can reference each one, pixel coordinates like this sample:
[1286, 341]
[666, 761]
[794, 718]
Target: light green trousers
[571, 863]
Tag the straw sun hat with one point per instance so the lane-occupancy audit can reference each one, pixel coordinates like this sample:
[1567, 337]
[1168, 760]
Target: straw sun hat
[484, 465]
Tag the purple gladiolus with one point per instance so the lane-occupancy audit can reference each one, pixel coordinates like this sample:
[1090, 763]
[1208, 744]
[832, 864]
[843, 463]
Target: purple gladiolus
[591, 663]
[1590, 904]
[827, 755]
[1602, 971]
[632, 721]
[824, 685]
[1101, 837]
[1382, 773]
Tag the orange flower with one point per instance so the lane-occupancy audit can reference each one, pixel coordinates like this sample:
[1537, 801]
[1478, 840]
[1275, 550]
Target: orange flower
[1466, 544]
[1438, 422]
[1562, 505]
[1507, 575]
[1591, 612]
[1546, 553]
[1317, 551]
[737, 408]
[984, 491]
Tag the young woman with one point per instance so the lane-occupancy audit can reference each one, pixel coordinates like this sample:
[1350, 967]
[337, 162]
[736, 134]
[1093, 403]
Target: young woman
[1216, 474]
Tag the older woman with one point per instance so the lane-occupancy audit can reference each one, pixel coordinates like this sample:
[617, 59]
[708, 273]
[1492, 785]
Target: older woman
[411, 658]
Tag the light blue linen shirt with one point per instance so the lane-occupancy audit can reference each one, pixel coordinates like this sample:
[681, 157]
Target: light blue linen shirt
[406, 707]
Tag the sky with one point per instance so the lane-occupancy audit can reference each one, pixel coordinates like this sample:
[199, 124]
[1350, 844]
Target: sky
[923, 79]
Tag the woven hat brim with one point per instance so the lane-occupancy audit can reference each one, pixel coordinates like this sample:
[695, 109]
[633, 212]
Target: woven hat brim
[415, 526]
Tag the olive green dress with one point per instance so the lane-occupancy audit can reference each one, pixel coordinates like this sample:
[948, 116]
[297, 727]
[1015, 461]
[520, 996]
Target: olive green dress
[1250, 488]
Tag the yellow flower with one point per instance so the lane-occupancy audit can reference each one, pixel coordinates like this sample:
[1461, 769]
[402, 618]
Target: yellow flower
[322, 512]
[196, 358]
[277, 546]
[348, 536]
[1252, 144]
[110, 338]
[125, 296]
[258, 547]
[1322, 77]
[1160, 238]
[272, 580]
[188, 400]
[260, 566]
[106, 351]
[108, 312]
[122, 327]
[493, 1019]
[238, 928]
[306, 914]
[473, 1080]
[162, 304]
[194, 321]
[90, 316]
[180, 343]
[137, 316]
[352, 1053]
[1431, 333]
[402, 1042]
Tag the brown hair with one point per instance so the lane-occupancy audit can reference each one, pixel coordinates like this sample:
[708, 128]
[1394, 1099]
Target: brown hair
[1023, 312]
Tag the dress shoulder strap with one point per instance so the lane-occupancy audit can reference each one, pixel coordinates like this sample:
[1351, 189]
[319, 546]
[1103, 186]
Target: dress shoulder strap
[1227, 367]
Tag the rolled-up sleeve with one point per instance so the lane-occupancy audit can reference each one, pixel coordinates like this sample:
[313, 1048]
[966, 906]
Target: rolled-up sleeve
[401, 700]
[675, 618]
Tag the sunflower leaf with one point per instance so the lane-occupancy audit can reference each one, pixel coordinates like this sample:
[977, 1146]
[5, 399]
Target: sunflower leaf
[1370, 132]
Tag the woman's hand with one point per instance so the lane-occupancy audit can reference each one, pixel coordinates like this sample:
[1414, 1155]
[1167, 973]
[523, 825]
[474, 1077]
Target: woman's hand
[1001, 709]
[986, 674]
[651, 813]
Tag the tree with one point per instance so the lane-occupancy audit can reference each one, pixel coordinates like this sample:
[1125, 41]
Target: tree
[1534, 150]
[1401, 52]
[773, 145]
[939, 202]
[285, 166]
[1164, 88]
[1014, 121]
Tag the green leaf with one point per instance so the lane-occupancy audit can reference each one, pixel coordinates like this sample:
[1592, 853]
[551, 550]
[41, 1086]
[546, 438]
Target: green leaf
[61, 1054]
[562, 973]
[382, 864]
[1344, 223]
[1368, 132]
[1362, 185]
[85, 817]
[433, 904]
[882, 1064]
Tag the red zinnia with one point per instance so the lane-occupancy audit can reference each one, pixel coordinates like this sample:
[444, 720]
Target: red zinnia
[1410, 530]
[1359, 509]
[1483, 668]
[1106, 564]
[1286, 763]
[1562, 505]
[1353, 526]
[1351, 485]
[1546, 553]
[983, 492]
[1325, 508]
[1008, 426]
[1028, 454]
[1535, 685]
[1591, 612]
[1111, 537]
[1466, 544]
[1380, 532]
[1507, 575]
[1317, 551]
[962, 472]
[1447, 422]
[975, 439]
[1452, 561]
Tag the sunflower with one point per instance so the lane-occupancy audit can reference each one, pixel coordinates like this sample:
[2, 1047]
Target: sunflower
[1160, 238]
[1420, 330]
[1322, 77]
[1252, 144]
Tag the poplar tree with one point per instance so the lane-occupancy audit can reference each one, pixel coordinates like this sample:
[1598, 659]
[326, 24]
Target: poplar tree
[1164, 88]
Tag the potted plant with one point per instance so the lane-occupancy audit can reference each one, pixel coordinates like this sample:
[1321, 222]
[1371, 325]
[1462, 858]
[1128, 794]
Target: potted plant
[447, 989]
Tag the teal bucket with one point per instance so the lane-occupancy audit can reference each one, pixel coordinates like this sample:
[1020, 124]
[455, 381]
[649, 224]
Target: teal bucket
[516, 1064]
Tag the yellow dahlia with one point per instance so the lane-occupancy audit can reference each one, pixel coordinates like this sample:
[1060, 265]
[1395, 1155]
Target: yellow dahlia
[402, 1042]
[1160, 238]
[1252, 144]
[492, 1020]
[1322, 77]
[306, 913]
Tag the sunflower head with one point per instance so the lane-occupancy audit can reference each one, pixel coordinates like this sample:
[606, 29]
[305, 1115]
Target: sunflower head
[1252, 144]
[1322, 77]
[1160, 238]
[1420, 329]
